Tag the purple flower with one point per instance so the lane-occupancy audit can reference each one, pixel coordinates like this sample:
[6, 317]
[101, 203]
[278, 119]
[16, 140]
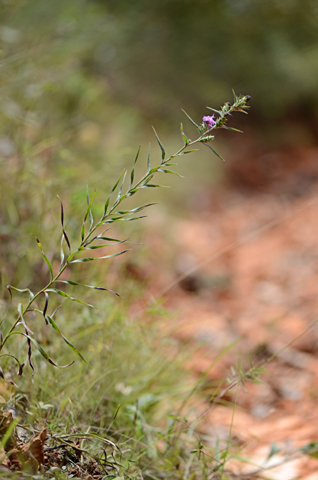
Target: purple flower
[208, 121]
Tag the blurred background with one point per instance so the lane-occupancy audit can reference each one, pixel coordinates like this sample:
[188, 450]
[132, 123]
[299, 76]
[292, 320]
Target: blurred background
[82, 82]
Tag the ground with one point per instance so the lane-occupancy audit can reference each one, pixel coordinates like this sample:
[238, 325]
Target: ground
[245, 269]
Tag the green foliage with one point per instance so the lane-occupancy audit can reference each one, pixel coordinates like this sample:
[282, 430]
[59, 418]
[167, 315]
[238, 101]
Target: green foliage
[181, 54]
[92, 232]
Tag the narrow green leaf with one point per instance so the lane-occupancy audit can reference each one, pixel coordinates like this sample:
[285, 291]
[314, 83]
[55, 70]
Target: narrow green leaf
[106, 207]
[24, 290]
[135, 210]
[121, 188]
[231, 128]
[45, 305]
[131, 219]
[164, 170]
[70, 282]
[63, 294]
[43, 352]
[72, 256]
[132, 174]
[89, 211]
[89, 259]
[51, 321]
[62, 256]
[147, 181]
[192, 121]
[96, 247]
[62, 223]
[215, 153]
[150, 185]
[108, 239]
[148, 161]
[47, 261]
[186, 152]
[184, 137]
[216, 111]
[163, 152]
[133, 191]
[20, 311]
[96, 237]
[116, 184]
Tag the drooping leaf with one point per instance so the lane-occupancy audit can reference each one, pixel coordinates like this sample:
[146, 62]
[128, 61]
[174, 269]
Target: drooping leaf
[46, 305]
[163, 152]
[43, 352]
[215, 153]
[21, 365]
[231, 128]
[51, 321]
[24, 290]
[170, 171]
[63, 294]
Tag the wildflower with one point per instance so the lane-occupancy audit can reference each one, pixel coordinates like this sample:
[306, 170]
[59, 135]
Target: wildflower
[208, 121]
